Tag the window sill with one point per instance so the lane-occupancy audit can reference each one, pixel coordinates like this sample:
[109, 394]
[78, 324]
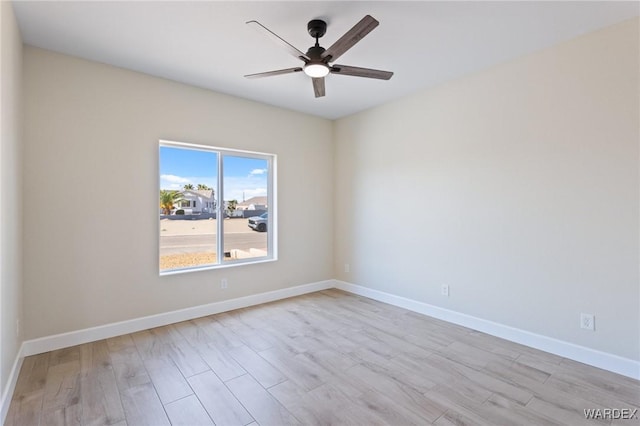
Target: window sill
[217, 266]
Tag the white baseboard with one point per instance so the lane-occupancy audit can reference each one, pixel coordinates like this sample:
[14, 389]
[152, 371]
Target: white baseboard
[5, 402]
[64, 340]
[624, 366]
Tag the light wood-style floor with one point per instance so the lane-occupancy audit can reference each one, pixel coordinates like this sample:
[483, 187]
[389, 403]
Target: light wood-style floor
[319, 359]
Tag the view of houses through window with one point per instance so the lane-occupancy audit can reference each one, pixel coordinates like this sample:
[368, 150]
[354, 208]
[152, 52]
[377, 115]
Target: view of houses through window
[215, 206]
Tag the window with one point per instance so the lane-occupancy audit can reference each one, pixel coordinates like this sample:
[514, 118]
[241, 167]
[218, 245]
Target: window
[236, 221]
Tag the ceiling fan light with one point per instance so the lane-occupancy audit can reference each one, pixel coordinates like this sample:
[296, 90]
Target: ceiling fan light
[316, 70]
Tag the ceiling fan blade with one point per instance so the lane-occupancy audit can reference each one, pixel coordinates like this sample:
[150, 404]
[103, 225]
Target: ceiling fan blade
[280, 41]
[361, 72]
[272, 73]
[318, 87]
[350, 38]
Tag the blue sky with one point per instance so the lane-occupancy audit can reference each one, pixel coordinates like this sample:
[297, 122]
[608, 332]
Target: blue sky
[180, 166]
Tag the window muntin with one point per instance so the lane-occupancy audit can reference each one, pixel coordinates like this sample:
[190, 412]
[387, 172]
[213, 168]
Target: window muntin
[191, 235]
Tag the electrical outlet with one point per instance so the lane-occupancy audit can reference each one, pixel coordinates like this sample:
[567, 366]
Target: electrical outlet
[223, 283]
[588, 322]
[444, 290]
[347, 268]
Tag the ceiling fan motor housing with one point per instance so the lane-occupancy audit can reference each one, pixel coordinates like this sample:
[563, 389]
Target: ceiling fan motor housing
[315, 53]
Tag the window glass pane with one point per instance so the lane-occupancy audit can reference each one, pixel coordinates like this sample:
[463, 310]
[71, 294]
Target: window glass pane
[246, 227]
[188, 229]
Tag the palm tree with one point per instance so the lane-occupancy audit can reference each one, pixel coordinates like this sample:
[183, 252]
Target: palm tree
[168, 199]
[231, 206]
[188, 186]
[202, 186]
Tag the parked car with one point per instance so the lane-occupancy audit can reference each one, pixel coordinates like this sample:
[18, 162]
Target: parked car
[182, 211]
[259, 223]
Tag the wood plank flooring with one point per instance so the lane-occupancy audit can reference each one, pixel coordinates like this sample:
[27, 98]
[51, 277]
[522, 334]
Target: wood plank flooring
[324, 358]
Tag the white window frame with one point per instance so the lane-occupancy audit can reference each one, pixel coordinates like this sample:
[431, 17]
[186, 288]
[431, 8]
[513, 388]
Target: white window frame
[272, 223]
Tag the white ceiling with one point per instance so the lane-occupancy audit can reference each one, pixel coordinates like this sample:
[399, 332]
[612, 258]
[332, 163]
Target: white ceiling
[208, 44]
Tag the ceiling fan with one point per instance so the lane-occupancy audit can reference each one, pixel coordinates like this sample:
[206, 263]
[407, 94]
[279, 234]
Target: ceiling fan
[317, 60]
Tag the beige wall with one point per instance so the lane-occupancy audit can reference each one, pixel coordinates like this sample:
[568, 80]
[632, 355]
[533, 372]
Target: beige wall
[517, 186]
[91, 172]
[10, 190]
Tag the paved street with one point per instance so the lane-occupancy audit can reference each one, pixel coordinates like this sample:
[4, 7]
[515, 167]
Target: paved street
[199, 236]
[177, 244]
